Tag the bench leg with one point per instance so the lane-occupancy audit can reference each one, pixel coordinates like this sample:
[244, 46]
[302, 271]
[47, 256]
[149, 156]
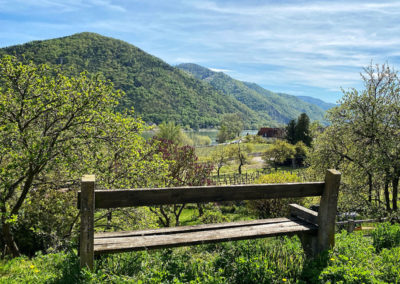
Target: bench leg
[310, 244]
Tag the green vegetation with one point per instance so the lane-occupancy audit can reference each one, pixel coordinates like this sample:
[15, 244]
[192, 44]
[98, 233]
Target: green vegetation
[363, 142]
[53, 130]
[272, 107]
[57, 124]
[355, 259]
[230, 127]
[279, 207]
[157, 91]
[299, 130]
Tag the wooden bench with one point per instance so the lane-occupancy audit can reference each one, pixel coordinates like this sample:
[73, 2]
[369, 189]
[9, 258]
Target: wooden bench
[316, 230]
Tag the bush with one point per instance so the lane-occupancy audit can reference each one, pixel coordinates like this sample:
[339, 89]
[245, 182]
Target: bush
[353, 260]
[274, 207]
[215, 216]
[386, 236]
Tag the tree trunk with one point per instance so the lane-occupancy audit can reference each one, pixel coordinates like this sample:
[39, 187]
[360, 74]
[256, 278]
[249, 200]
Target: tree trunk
[395, 183]
[11, 246]
[386, 193]
[369, 188]
[201, 209]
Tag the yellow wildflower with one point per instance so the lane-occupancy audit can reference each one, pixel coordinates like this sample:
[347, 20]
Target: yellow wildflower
[284, 279]
[32, 266]
[36, 270]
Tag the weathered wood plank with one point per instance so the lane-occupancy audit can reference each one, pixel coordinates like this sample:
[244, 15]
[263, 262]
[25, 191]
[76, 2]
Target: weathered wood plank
[327, 211]
[109, 245]
[183, 229]
[87, 222]
[198, 194]
[303, 213]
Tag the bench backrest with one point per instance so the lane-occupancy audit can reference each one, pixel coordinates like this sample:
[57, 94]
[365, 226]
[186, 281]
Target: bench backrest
[195, 194]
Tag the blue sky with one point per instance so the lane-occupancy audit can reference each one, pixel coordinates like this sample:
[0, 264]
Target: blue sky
[312, 48]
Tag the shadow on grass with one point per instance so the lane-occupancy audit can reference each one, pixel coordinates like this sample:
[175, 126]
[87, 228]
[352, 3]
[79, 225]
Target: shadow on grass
[313, 267]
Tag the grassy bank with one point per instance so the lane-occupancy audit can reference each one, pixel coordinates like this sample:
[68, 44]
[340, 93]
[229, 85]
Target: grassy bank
[355, 259]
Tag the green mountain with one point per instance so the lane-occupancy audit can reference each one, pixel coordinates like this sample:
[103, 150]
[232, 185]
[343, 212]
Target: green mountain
[324, 105]
[280, 107]
[157, 91]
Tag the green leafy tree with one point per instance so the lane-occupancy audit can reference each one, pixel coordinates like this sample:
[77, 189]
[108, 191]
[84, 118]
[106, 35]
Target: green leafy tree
[299, 130]
[291, 132]
[173, 132]
[302, 131]
[279, 152]
[183, 170]
[230, 127]
[239, 152]
[220, 157]
[362, 140]
[49, 125]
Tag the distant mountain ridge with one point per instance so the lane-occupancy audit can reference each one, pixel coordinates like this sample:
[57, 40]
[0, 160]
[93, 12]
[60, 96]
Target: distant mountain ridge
[280, 107]
[158, 91]
[322, 104]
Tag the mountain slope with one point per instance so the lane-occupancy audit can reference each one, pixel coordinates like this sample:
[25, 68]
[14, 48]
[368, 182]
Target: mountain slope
[157, 91]
[280, 107]
[324, 105]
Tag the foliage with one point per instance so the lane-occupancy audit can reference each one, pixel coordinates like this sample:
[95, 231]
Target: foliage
[279, 152]
[272, 108]
[274, 207]
[220, 156]
[272, 260]
[213, 216]
[183, 170]
[158, 91]
[299, 130]
[239, 152]
[254, 139]
[230, 127]
[172, 132]
[56, 128]
[362, 142]
[386, 236]
[200, 140]
[353, 260]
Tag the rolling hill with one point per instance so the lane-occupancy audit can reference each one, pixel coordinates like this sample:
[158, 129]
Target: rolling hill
[158, 91]
[281, 107]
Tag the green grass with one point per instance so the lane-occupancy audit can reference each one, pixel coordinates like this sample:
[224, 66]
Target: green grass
[355, 259]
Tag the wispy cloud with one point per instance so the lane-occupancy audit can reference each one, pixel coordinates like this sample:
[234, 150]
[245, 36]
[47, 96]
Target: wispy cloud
[302, 47]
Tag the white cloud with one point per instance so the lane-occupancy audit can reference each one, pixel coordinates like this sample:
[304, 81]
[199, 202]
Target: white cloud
[220, 70]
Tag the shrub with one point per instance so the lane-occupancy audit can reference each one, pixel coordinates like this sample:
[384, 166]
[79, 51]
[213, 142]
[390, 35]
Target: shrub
[274, 207]
[215, 216]
[353, 260]
[386, 236]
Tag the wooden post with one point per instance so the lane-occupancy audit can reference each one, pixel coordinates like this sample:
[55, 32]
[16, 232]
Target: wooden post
[87, 222]
[351, 225]
[327, 211]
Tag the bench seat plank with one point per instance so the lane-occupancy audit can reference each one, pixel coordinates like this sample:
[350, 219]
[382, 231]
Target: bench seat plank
[182, 229]
[202, 234]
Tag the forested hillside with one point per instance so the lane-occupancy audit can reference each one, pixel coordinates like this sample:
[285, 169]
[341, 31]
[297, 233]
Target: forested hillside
[157, 91]
[280, 107]
[160, 92]
[318, 102]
